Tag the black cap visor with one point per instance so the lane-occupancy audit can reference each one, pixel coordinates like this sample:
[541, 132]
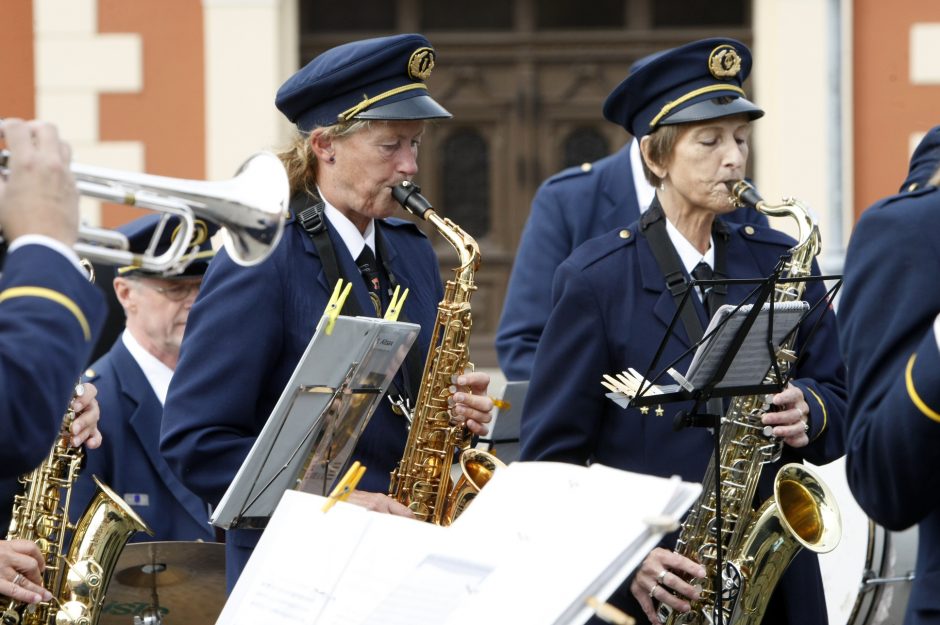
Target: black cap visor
[418, 107]
[713, 108]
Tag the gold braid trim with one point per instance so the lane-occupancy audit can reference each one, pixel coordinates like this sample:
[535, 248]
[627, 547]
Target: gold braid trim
[55, 296]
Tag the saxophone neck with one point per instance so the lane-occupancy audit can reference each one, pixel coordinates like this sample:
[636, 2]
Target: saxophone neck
[808, 239]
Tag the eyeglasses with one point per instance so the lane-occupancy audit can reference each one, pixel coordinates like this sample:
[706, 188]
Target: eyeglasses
[176, 293]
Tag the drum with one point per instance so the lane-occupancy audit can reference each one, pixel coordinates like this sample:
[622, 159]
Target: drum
[867, 578]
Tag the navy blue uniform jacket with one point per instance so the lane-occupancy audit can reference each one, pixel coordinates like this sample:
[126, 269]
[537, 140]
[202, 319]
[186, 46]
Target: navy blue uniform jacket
[245, 334]
[49, 317]
[575, 205]
[129, 459]
[886, 315]
[611, 312]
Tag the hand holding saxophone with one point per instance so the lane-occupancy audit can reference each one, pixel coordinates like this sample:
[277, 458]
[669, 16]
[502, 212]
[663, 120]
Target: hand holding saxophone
[471, 406]
[21, 569]
[84, 428]
[790, 420]
[662, 577]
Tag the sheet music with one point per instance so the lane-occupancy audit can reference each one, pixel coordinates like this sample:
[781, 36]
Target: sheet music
[538, 540]
[752, 360]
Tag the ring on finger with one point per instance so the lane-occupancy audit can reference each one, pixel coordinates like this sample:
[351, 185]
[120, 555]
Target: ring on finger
[662, 576]
[653, 591]
[17, 579]
[805, 427]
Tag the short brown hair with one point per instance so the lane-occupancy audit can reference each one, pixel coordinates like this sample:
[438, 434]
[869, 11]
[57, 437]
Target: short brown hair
[661, 143]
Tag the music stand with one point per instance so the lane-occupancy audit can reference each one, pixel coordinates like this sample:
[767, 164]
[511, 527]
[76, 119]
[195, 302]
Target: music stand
[312, 430]
[504, 440]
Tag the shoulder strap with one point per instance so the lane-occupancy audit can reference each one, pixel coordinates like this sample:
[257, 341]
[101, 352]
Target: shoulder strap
[653, 226]
[308, 209]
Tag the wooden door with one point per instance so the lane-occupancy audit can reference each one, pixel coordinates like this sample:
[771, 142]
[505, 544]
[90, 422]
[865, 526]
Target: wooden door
[525, 81]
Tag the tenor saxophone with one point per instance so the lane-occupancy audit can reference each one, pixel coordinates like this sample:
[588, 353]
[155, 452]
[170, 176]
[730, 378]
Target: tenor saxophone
[756, 545]
[422, 478]
[77, 579]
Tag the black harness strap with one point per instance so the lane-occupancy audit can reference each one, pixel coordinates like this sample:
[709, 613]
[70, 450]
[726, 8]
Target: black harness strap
[653, 226]
[308, 209]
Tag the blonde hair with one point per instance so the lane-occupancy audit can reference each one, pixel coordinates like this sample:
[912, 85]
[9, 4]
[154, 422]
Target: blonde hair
[300, 161]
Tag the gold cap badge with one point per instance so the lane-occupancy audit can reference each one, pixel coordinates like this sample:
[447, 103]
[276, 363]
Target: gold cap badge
[421, 63]
[724, 62]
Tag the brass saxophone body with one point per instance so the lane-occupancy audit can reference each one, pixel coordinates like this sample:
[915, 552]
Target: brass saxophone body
[422, 479]
[756, 545]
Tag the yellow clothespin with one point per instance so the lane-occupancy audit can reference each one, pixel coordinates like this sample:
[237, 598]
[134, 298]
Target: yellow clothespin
[608, 613]
[335, 305]
[346, 485]
[395, 305]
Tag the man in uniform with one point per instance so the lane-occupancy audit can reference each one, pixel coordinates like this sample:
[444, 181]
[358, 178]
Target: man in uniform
[132, 380]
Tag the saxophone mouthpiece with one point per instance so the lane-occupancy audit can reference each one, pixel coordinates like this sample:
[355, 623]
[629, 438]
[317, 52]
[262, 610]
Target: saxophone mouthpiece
[408, 194]
[743, 193]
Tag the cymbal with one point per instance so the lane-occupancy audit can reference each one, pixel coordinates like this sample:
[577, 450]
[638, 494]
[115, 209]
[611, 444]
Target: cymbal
[189, 578]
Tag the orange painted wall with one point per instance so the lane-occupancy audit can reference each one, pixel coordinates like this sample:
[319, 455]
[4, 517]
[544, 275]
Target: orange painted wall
[888, 108]
[16, 59]
[168, 116]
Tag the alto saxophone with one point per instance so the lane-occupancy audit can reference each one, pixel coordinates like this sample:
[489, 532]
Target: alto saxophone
[756, 545]
[77, 579]
[422, 479]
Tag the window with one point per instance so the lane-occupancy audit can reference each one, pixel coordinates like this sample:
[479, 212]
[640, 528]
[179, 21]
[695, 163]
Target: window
[466, 167]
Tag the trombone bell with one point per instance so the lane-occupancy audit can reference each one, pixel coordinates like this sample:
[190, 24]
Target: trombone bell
[250, 208]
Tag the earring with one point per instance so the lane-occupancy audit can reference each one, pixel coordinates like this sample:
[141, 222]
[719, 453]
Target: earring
[332, 159]
[662, 185]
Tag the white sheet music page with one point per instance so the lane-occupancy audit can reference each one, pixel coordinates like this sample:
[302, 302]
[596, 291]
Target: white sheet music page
[350, 566]
[564, 532]
[535, 543]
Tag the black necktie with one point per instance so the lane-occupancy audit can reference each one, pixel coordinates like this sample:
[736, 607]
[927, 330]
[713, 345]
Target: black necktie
[369, 269]
[703, 271]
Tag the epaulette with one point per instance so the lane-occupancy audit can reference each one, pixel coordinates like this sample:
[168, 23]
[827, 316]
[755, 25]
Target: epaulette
[572, 172]
[904, 195]
[90, 375]
[604, 246]
[762, 234]
[404, 225]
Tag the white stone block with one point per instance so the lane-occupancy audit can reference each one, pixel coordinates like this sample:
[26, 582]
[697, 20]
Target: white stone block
[76, 114]
[913, 141]
[121, 155]
[65, 16]
[103, 63]
[925, 53]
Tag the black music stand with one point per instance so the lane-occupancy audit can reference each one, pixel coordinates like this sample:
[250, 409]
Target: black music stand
[733, 358]
[312, 430]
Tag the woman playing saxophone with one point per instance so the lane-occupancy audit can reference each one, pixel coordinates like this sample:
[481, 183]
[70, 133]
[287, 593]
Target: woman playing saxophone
[612, 309]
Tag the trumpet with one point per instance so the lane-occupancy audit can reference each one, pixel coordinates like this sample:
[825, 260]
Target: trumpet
[250, 208]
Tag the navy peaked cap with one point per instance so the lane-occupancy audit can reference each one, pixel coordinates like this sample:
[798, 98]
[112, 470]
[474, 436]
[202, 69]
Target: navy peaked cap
[695, 82]
[140, 233]
[924, 161]
[381, 78]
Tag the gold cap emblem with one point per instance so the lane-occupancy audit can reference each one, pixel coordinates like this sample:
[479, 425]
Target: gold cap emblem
[421, 63]
[724, 62]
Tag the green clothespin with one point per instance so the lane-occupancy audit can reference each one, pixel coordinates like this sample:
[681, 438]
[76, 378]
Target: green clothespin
[394, 306]
[335, 305]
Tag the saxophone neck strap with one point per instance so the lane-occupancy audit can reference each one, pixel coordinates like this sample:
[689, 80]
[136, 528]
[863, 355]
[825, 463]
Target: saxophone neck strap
[653, 226]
